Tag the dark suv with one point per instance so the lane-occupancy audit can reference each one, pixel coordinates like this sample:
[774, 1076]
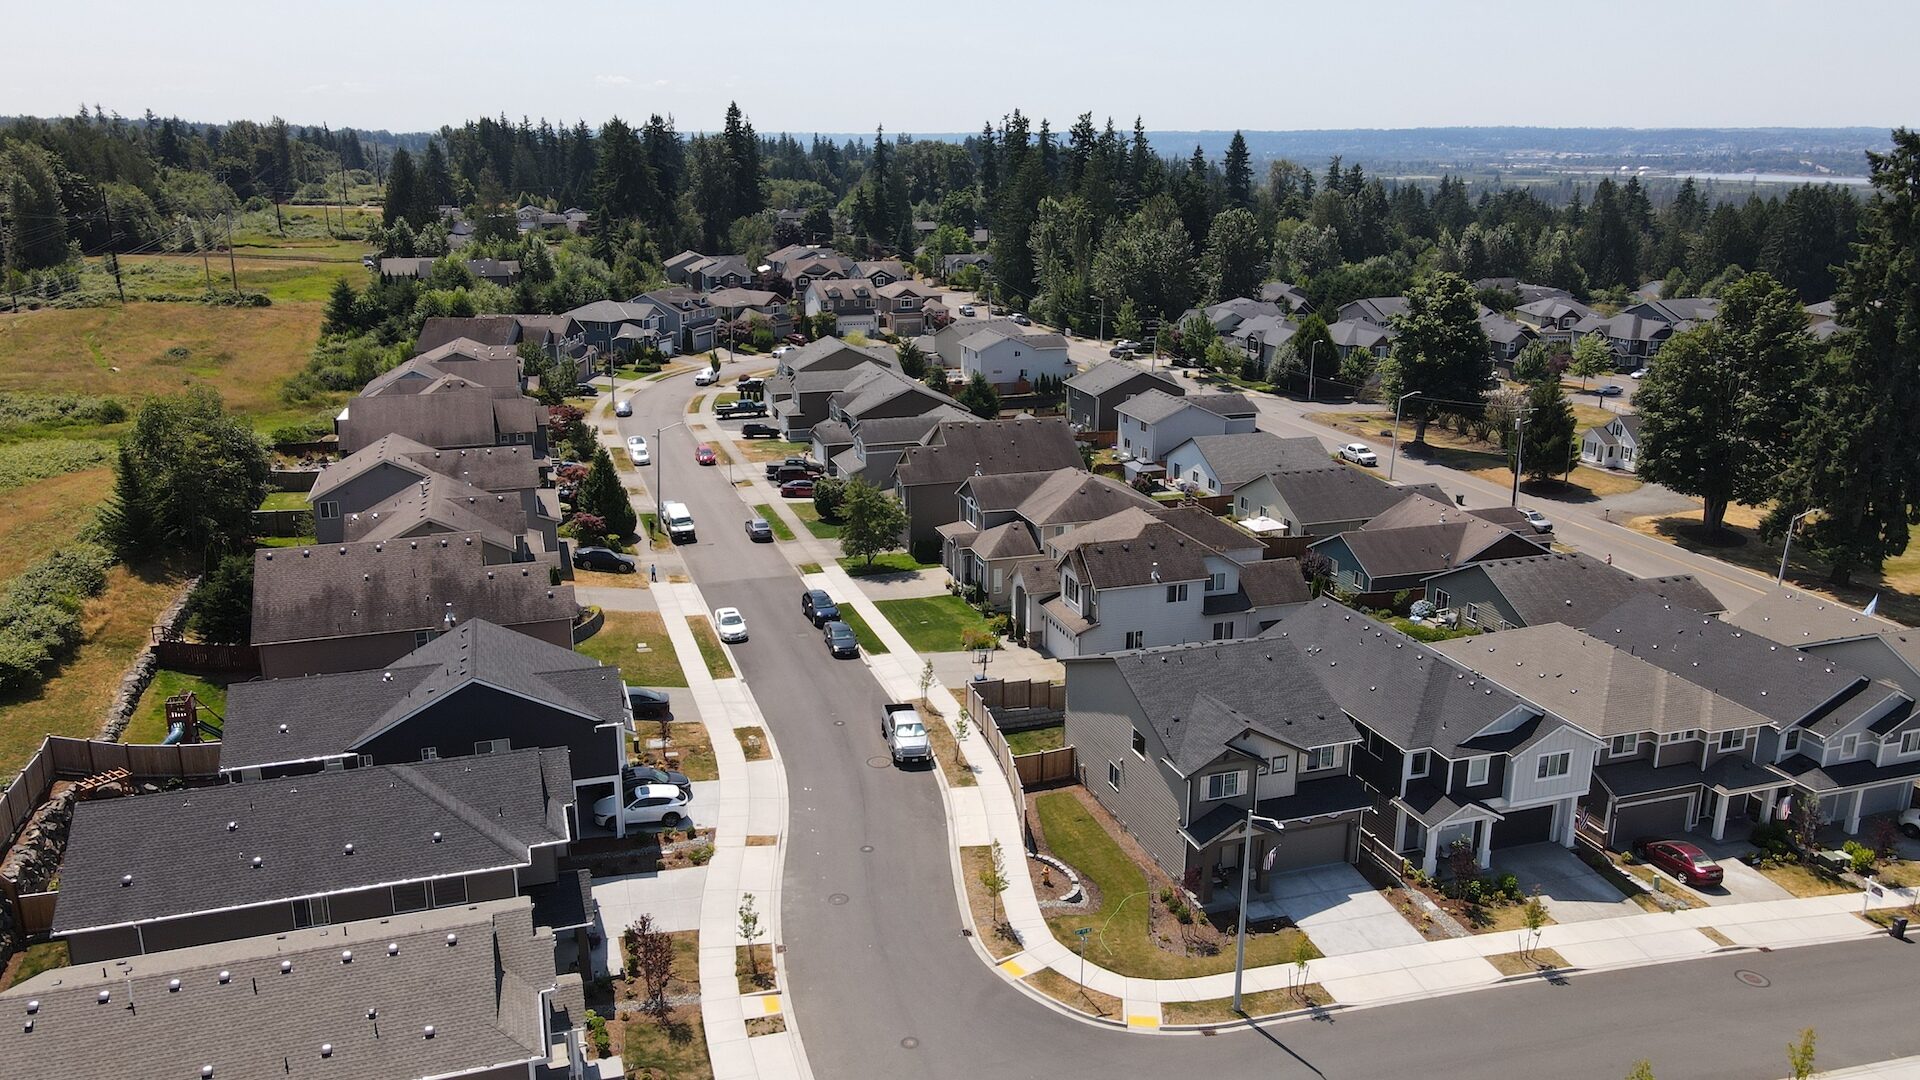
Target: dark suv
[818, 607]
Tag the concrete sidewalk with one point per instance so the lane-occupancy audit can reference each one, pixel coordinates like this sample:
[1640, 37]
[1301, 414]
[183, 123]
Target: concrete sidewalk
[986, 812]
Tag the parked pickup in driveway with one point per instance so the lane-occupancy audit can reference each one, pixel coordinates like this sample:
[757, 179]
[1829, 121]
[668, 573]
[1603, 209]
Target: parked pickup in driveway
[905, 732]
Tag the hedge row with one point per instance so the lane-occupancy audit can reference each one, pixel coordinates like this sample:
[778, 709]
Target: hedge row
[40, 612]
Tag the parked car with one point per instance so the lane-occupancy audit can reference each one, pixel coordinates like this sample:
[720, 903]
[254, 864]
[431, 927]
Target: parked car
[638, 776]
[840, 640]
[1638, 374]
[648, 703]
[637, 450]
[778, 352]
[751, 384]
[734, 410]
[624, 407]
[706, 376]
[703, 454]
[1021, 320]
[371, 262]
[759, 431]
[731, 624]
[1539, 521]
[806, 466]
[797, 489]
[818, 607]
[603, 559]
[1120, 352]
[585, 389]
[654, 804]
[759, 531]
[1681, 859]
[906, 735]
[1360, 454]
[966, 311]
[1609, 390]
[1910, 823]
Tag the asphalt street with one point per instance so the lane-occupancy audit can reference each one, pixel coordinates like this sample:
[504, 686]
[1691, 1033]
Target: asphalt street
[883, 985]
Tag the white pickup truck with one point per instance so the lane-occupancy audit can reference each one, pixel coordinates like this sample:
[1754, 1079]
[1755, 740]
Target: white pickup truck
[905, 732]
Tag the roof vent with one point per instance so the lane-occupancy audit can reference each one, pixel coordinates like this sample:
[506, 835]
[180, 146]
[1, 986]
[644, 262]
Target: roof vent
[126, 880]
[106, 996]
[286, 967]
[349, 849]
[386, 676]
[206, 1072]
[346, 956]
[326, 1050]
[27, 1027]
[393, 949]
[452, 940]
[283, 729]
[258, 862]
[436, 836]
[373, 1014]
[427, 1031]
[226, 977]
[33, 1007]
[173, 986]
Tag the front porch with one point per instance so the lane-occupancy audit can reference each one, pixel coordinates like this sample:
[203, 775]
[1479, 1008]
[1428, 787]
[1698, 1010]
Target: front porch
[1428, 826]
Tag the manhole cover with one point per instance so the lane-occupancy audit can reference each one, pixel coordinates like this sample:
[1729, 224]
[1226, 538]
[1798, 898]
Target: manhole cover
[1753, 978]
[837, 899]
[866, 847]
[910, 1043]
[880, 761]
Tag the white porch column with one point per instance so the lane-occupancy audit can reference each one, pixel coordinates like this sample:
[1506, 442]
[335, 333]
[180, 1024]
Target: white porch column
[1486, 844]
[1720, 817]
[1853, 812]
[1569, 817]
[1768, 800]
[1430, 864]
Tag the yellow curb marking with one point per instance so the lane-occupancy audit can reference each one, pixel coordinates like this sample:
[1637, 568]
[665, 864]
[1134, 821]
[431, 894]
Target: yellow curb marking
[1012, 968]
[1150, 1023]
[770, 1004]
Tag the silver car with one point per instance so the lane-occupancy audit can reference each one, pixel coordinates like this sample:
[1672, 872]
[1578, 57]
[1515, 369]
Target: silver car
[731, 625]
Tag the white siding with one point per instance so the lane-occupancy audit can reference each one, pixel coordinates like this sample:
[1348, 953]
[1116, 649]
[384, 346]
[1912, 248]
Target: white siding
[1523, 787]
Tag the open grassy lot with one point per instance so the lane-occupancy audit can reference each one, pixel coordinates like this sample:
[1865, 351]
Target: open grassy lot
[150, 721]
[74, 702]
[615, 645]
[1452, 450]
[40, 517]
[306, 277]
[932, 623]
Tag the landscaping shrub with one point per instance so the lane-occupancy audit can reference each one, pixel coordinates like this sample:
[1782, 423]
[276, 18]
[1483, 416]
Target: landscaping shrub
[1863, 856]
[1771, 838]
[20, 410]
[40, 611]
[597, 1033]
[1508, 886]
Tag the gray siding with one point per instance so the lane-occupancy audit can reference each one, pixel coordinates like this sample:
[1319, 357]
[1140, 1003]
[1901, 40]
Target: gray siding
[1470, 591]
[480, 713]
[288, 660]
[1101, 719]
[363, 492]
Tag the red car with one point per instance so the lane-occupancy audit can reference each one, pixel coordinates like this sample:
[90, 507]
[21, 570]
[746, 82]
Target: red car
[1681, 859]
[704, 454]
[797, 489]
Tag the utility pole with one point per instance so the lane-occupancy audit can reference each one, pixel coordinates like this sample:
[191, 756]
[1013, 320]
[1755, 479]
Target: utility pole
[113, 260]
[1313, 358]
[233, 269]
[206, 265]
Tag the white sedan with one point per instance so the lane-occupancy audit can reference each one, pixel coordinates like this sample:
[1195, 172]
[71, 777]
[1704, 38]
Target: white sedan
[1359, 453]
[649, 804]
[637, 450]
[731, 624]
[706, 377]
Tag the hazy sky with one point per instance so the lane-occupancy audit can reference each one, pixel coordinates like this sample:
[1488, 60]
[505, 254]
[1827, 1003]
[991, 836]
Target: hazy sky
[408, 65]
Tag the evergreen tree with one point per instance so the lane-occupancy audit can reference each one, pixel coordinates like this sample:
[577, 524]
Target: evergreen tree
[190, 478]
[343, 312]
[602, 495]
[403, 191]
[221, 606]
[1239, 172]
[1550, 447]
[436, 183]
[1236, 255]
[1149, 259]
[127, 521]
[979, 397]
[1440, 353]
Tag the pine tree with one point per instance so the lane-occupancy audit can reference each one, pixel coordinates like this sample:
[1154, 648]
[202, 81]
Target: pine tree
[1239, 170]
[1549, 446]
[343, 315]
[127, 522]
[403, 196]
[602, 494]
[979, 397]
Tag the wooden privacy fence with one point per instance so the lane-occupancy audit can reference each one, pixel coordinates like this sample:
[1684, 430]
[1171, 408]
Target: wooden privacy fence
[1284, 547]
[171, 652]
[999, 706]
[62, 758]
[1000, 695]
[294, 522]
[1048, 768]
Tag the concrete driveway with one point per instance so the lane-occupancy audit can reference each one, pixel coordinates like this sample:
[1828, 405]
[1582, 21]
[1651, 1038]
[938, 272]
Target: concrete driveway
[1572, 891]
[672, 897]
[1340, 910]
[1740, 883]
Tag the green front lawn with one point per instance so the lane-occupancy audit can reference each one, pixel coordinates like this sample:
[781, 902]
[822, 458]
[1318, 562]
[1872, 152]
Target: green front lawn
[810, 517]
[149, 724]
[615, 645]
[710, 648]
[932, 623]
[863, 633]
[893, 562]
[781, 531]
[1122, 940]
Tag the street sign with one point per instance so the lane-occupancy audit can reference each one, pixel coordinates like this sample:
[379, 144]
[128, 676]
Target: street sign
[1084, 931]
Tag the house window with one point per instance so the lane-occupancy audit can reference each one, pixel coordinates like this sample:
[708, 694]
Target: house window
[1225, 785]
[1243, 504]
[329, 510]
[448, 892]
[1176, 593]
[310, 912]
[1732, 740]
[1140, 744]
[1418, 763]
[1136, 639]
[1223, 630]
[1554, 765]
[1322, 757]
[493, 746]
[1113, 775]
[411, 897]
[1791, 743]
[1624, 744]
[421, 637]
[1473, 614]
[1477, 771]
[429, 753]
[1278, 765]
[1847, 746]
[1672, 737]
[1910, 742]
[1217, 582]
[1441, 600]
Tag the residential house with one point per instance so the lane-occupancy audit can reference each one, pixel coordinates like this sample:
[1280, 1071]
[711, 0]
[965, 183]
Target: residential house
[1135, 579]
[505, 529]
[1260, 337]
[880, 272]
[503, 330]
[1572, 588]
[495, 367]
[1180, 743]
[1005, 518]
[1155, 423]
[478, 689]
[779, 261]
[798, 401]
[1378, 310]
[1414, 539]
[394, 463]
[1227, 315]
[1793, 617]
[1288, 296]
[1614, 444]
[1690, 310]
[1554, 317]
[1526, 291]
[1220, 464]
[1351, 335]
[1634, 339]
[502, 272]
[1093, 395]
[867, 449]
[1505, 339]
[718, 272]
[1849, 740]
[746, 305]
[676, 267]
[534, 219]
[905, 308]
[947, 339]
[953, 264]
[451, 413]
[850, 301]
[832, 354]
[611, 326]
[190, 867]
[1012, 362]
[1322, 499]
[348, 607]
[1453, 758]
[466, 990]
[927, 477]
[800, 274]
[689, 322]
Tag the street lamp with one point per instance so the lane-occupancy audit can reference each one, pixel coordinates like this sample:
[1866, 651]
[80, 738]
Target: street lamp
[1313, 357]
[1395, 459]
[659, 496]
[1246, 877]
[1782, 579]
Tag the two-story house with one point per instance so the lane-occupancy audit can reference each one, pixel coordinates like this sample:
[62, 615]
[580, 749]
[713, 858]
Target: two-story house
[394, 464]
[718, 272]
[1378, 310]
[1359, 335]
[867, 449]
[880, 272]
[688, 321]
[1003, 519]
[902, 307]
[450, 413]
[850, 301]
[802, 273]
[1554, 317]
[1505, 339]
[1614, 444]
[742, 307]
[1093, 395]
[437, 504]
[1152, 424]
[611, 326]
[927, 476]
[1554, 587]
[1222, 464]
[1014, 361]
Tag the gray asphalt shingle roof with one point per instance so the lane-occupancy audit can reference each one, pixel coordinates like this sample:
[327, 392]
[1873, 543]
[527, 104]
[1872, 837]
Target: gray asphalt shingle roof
[1575, 588]
[956, 448]
[1792, 617]
[1238, 458]
[1327, 494]
[1111, 374]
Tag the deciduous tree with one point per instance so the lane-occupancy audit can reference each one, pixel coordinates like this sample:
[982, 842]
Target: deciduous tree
[1440, 352]
[872, 522]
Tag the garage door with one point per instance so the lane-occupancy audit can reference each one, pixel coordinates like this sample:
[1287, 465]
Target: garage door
[1883, 800]
[1312, 845]
[1524, 827]
[1668, 817]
